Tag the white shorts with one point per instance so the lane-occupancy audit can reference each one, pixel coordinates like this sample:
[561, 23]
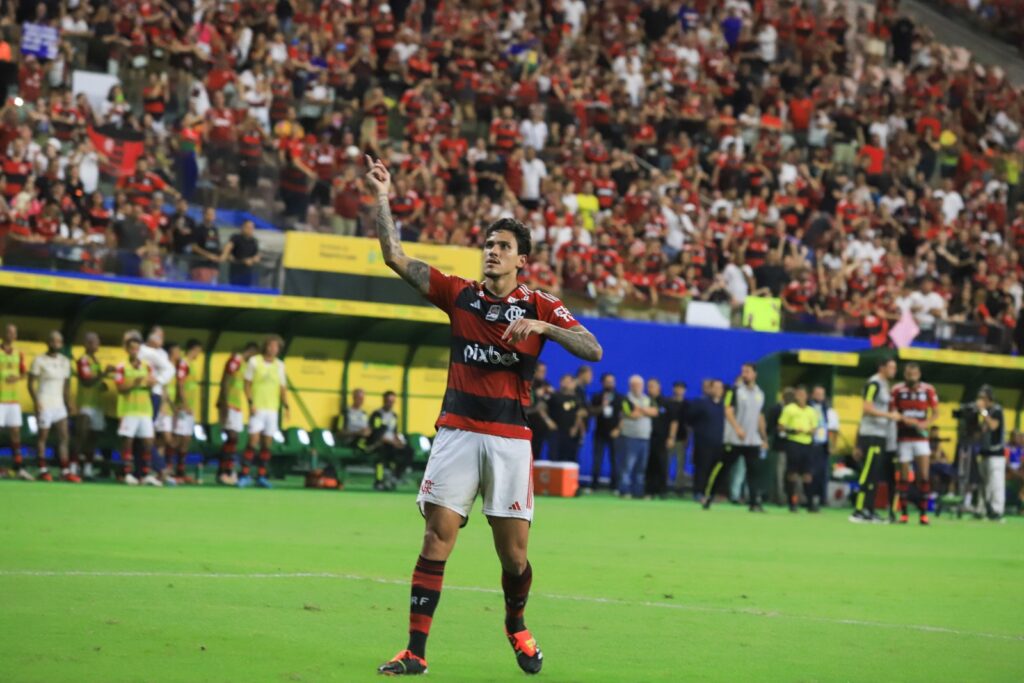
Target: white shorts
[184, 424]
[908, 450]
[10, 415]
[136, 427]
[97, 421]
[263, 422]
[164, 423]
[233, 421]
[51, 416]
[464, 463]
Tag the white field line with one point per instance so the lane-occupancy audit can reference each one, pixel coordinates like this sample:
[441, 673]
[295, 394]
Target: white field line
[923, 628]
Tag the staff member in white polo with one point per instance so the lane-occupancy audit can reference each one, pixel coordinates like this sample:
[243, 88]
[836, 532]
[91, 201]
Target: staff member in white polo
[49, 385]
[154, 354]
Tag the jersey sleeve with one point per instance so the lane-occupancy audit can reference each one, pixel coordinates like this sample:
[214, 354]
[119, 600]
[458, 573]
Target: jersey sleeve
[871, 390]
[550, 309]
[933, 398]
[85, 369]
[119, 374]
[182, 370]
[730, 398]
[233, 364]
[21, 363]
[282, 375]
[443, 289]
[37, 366]
[250, 370]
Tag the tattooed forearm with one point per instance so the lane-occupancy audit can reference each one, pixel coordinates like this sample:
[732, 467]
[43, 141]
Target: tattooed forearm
[578, 341]
[387, 232]
[416, 273]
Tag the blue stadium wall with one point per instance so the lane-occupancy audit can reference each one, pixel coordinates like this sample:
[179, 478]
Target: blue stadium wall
[677, 352]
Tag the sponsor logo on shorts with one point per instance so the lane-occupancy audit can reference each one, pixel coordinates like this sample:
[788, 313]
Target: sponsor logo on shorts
[515, 507]
[427, 487]
[488, 355]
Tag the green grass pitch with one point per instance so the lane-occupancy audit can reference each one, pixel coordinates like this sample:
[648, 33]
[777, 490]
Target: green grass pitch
[111, 584]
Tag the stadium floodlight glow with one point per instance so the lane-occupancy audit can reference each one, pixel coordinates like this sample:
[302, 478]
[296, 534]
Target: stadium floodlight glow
[303, 436]
[328, 437]
[199, 433]
[424, 444]
[278, 436]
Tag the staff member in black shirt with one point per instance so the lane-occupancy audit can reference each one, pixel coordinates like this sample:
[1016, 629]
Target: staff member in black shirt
[537, 412]
[991, 454]
[606, 407]
[661, 434]
[677, 434]
[242, 252]
[564, 413]
[206, 249]
[707, 418]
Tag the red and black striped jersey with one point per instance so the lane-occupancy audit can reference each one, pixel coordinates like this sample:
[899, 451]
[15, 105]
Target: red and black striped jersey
[913, 402]
[488, 378]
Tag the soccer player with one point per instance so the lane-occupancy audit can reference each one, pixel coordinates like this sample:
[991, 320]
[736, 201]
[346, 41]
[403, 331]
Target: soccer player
[187, 405]
[799, 420]
[90, 422]
[49, 385]
[134, 380]
[266, 388]
[229, 405]
[12, 371]
[483, 443]
[163, 422]
[388, 445]
[745, 435]
[918, 406]
[877, 420]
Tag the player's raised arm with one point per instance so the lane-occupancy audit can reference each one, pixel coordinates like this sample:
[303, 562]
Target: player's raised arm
[416, 273]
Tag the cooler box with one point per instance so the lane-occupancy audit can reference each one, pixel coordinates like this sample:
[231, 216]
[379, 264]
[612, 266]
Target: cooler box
[556, 478]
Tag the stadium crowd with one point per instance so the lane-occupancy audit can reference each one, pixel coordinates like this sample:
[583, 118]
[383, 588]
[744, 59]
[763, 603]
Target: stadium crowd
[837, 158]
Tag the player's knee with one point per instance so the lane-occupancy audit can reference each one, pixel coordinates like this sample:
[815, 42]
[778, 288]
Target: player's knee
[437, 543]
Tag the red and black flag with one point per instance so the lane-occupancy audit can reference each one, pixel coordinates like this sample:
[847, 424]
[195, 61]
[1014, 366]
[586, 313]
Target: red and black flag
[120, 147]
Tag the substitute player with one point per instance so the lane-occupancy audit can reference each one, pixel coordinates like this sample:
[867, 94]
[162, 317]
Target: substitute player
[229, 405]
[266, 388]
[745, 435]
[483, 442]
[134, 379]
[188, 397]
[877, 420]
[166, 402]
[918, 405]
[49, 385]
[90, 422]
[12, 371]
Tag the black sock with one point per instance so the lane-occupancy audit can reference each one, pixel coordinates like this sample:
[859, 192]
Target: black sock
[517, 590]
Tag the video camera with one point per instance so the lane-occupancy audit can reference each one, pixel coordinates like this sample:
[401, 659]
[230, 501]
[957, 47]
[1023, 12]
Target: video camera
[967, 415]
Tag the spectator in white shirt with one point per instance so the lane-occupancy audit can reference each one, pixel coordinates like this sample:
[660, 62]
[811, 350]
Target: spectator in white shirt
[534, 172]
[952, 202]
[927, 306]
[535, 129]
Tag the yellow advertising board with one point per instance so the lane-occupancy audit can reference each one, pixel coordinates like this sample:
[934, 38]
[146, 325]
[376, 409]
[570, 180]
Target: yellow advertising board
[362, 255]
[973, 358]
[809, 357]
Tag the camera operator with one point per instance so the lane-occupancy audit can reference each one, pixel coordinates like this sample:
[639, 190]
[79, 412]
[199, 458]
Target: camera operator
[991, 455]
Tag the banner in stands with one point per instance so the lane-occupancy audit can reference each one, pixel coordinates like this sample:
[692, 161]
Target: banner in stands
[39, 40]
[337, 267]
[762, 313]
[362, 255]
[121, 146]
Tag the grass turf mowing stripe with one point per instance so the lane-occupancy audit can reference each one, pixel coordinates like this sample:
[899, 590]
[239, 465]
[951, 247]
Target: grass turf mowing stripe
[923, 628]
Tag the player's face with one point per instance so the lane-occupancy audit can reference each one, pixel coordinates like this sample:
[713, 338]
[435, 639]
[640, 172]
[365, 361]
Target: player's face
[389, 401]
[653, 388]
[501, 254]
[801, 396]
[748, 374]
[10, 334]
[92, 343]
[55, 342]
[889, 369]
[133, 349]
[912, 374]
[273, 348]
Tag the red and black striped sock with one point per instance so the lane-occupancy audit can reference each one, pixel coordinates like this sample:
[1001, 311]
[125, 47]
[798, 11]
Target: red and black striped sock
[924, 489]
[227, 456]
[903, 490]
[147, 461]
[517, 590]
[247, 458]
[18, 461]
[264, 460]
[426, 591]
[180, 469]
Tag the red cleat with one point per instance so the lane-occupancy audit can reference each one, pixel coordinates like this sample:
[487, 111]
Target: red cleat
[71, 478]
[45, 476]
[924, 520]
[528, 655]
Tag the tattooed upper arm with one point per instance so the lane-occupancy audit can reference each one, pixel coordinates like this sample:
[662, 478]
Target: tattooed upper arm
[416, 273]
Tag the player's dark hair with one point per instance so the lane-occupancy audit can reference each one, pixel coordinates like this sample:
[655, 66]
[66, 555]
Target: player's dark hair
[679, 383]
[986, 392]
[522, 233]
[911, 365]
[191, 344]
[251, 346]
[749, 365]
[885, 360]
[389, 393]
[606, 375]
[169, 346]
[801, 387]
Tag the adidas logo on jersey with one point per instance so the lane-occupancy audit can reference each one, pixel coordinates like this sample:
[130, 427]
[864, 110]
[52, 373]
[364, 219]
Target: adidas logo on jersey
[475, 304]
